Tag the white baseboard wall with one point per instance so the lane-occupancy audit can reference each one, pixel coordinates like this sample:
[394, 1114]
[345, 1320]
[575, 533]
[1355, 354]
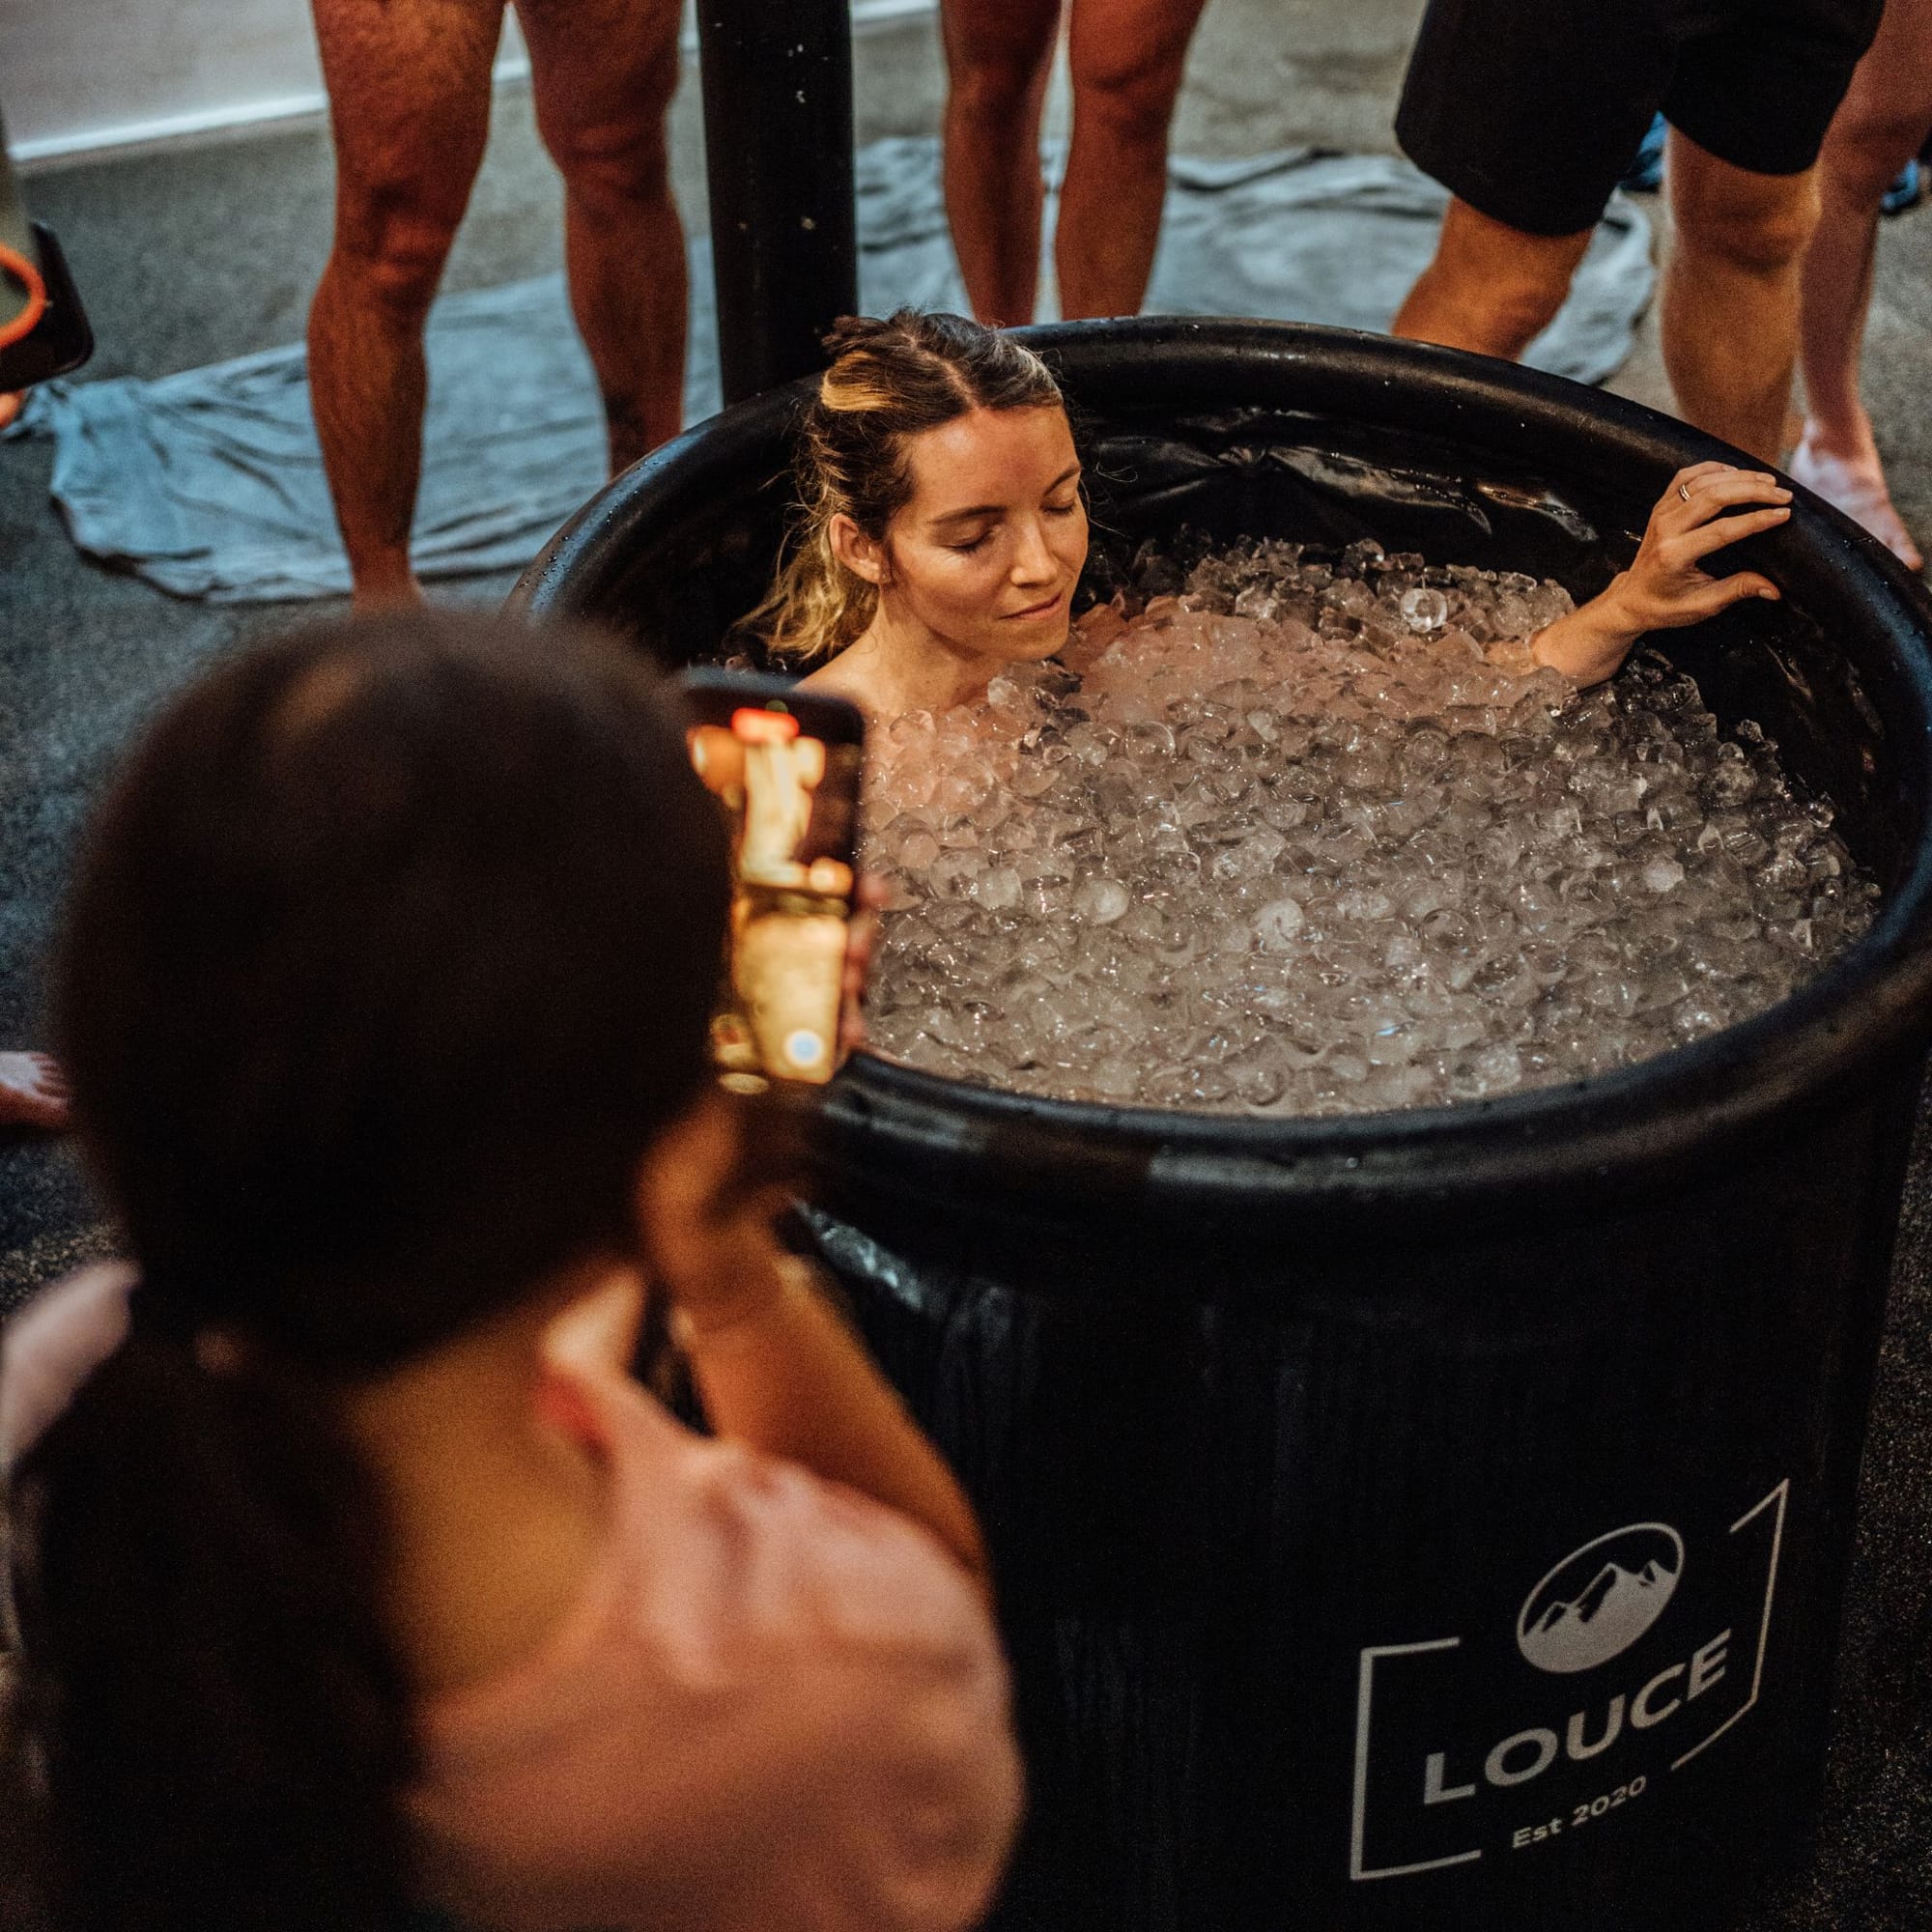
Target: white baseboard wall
[227, 119]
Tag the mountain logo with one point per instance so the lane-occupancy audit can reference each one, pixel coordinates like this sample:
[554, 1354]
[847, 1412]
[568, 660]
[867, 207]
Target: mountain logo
[1600, 1598]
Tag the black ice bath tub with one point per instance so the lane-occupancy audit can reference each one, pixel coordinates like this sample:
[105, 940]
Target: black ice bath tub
[1422, 1519]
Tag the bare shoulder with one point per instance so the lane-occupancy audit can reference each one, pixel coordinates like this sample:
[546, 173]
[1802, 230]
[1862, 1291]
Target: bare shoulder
[830, 676]
[841, 678]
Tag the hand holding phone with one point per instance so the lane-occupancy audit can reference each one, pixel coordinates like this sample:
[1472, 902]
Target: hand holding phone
[787, 767]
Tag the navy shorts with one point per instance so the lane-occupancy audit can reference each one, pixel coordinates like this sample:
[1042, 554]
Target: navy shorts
[1530, 110]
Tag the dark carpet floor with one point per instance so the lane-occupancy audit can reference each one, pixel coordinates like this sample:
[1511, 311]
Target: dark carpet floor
[190, 257]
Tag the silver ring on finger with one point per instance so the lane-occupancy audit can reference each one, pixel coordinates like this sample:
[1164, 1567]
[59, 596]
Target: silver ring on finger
[1684, 491]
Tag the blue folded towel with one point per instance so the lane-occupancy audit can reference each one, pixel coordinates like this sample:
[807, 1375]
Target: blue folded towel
[209, 483]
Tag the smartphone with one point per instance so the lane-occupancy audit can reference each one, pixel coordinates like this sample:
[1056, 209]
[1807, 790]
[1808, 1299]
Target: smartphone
[785, 766]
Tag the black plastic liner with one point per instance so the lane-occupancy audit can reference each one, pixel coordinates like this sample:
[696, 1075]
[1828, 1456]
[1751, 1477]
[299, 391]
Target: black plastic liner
[1423, 1519]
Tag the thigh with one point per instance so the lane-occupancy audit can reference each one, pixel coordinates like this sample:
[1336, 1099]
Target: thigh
[1011, 38]
[1115, 42]
[1530, 112]
[1717, 202]
[1759, 88]
[1891, 92]
[602, 72]
[1485, 254]
[409, 99]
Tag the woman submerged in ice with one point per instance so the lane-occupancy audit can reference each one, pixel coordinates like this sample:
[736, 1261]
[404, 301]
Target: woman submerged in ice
[1293, 831]
[945, 530]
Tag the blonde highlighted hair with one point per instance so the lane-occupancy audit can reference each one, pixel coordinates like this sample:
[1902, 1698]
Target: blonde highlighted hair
[889, 381]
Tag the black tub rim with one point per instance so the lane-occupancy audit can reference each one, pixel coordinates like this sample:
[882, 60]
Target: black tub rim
[1866, 1016]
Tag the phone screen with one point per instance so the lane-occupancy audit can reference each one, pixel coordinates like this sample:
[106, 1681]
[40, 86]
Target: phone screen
[787, 767]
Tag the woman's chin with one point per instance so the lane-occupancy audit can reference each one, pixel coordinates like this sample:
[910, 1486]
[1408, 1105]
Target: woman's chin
[1042, 643]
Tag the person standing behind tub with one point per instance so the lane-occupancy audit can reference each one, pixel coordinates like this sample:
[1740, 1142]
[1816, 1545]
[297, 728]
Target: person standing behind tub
[408, 97]
[1528, 113]
[1126, 59]
[1883, 124]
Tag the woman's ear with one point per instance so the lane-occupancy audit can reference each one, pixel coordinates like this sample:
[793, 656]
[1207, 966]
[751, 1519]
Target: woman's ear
[856, 550]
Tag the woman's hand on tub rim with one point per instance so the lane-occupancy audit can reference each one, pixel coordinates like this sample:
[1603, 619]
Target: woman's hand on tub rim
[1665, 588]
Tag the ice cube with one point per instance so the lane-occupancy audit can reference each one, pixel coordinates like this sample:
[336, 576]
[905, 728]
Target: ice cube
[1277, 923]
[1100, 901]
[998, 890]
[1495, 879]
[1424, 609]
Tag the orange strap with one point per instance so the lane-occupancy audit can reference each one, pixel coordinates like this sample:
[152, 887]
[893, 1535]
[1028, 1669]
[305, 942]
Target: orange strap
[28, 274]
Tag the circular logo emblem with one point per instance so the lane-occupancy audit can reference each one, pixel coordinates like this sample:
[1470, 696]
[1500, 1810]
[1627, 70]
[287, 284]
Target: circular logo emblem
[1601, 1598]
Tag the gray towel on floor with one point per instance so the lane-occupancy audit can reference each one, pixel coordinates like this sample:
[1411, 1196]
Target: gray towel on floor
[208, 484]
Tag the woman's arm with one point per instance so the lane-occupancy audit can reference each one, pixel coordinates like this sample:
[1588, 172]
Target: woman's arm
[775, 1366]
[1663, 589]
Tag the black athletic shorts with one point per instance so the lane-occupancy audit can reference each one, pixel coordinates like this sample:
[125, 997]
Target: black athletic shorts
[1530, 110]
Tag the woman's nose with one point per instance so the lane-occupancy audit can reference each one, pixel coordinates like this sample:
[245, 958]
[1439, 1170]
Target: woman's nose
[1033, 561]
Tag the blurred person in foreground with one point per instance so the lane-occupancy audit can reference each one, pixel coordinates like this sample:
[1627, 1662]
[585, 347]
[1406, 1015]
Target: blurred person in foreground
[409, 91]
[1529, 114]
[351, 1569]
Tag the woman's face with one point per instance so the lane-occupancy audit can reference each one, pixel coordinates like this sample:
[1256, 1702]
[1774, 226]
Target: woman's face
[985, 556]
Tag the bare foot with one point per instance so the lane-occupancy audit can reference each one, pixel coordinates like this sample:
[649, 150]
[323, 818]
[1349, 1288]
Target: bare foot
[1855, 485]
[33, 1092]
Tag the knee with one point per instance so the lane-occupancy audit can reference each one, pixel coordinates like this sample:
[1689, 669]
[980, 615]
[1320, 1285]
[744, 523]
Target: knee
[620, 164]
[1860, 164]
[1751, 233]
[392, 240]
[994, 87]
[1133, 99]
[624, 158]
[1518, 308]
[1501, 300]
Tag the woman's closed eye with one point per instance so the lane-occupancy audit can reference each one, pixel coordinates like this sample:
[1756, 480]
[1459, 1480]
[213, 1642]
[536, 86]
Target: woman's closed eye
[965, 547]
[1066, 509]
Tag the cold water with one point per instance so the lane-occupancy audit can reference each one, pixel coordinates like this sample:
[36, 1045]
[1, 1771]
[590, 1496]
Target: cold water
[1312, 836]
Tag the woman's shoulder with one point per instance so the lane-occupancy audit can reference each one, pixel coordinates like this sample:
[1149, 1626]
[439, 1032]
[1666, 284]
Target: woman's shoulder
[756, 1632]
[718, 1564]
[838, 676]
[775, 1557]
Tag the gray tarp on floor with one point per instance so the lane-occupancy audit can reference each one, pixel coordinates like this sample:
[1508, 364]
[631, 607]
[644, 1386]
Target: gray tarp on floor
[208, 484]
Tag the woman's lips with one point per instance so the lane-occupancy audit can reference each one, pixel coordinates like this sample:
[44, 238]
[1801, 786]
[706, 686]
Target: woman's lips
[1034, 609]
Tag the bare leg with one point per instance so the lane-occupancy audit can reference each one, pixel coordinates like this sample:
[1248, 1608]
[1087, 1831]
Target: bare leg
[408, 90]
[1491, 287]
[33, 1092]
[1730, 294]
[998, 54]
[603, 72]
[1879, 128]
[1127, 57]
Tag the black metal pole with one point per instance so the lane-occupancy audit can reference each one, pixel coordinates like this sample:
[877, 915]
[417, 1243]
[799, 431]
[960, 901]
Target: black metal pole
[778, 150]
